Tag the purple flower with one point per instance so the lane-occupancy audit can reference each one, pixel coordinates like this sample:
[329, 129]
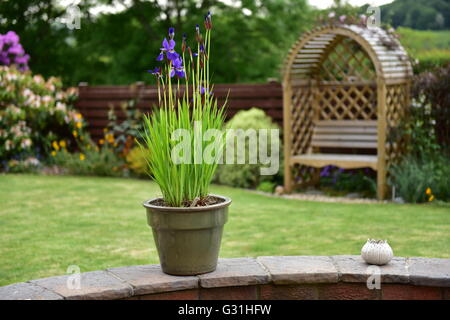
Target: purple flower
[203, 91]
[169, 48]
[155, 72]
[12, 52]
[160, 57]
[326, 171]
[202, 51]
[177, 68]
[11, 38]
[171, 33]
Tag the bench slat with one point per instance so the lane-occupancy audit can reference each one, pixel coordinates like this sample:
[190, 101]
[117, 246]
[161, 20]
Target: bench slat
[343, 137]
[346, 161]
[346, 123]
[356, 130]
[346, 144]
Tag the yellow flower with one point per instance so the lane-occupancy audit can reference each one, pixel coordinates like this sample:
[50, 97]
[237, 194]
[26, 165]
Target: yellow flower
[105, 130]
[62, 144]
[55, 145]
[75, 134]
[79, 116]
[101, 141]
[82, 157]
[428, 191]
[53, 153]
[431, 198]
[78, 125]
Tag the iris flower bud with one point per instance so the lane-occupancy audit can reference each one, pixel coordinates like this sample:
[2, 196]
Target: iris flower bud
[208, 22]
[183, 44]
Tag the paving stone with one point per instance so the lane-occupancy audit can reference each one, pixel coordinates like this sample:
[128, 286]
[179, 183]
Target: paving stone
[429, 271]
[355, 269]
[148, 279]
[27, 291]
[93, 285]
[235, 272]
[300, 269]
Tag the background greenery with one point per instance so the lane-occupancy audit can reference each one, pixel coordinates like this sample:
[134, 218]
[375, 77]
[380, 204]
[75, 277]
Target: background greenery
[119, 48]
[249, 45]
[108, 228]
[418, 14]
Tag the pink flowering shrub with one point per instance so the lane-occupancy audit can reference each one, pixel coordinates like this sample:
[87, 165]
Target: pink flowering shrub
[36, 117]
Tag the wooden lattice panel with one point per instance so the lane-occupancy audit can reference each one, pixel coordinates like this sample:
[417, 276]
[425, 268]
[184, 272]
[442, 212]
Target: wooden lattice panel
[346, 61]
[302, 119]
[352, 102]
[397, 100]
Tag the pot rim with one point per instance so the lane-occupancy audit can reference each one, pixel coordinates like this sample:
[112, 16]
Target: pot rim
[227, 201]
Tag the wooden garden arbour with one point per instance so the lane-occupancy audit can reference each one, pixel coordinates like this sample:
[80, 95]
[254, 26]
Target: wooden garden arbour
[345, 89]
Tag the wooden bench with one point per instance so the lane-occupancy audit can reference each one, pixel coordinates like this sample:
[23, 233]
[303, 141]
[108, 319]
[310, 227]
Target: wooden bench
[341, 134]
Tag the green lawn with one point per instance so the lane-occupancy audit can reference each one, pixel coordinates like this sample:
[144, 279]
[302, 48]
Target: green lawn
[50, 222]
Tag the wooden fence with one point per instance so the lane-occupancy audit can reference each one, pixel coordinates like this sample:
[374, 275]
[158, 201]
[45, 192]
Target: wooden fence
[95, 101]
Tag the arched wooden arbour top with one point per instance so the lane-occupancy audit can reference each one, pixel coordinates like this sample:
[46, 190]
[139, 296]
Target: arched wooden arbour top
[345, 89]
[386, 53]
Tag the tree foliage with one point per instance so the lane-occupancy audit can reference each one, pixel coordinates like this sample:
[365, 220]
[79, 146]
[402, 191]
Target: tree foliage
[252, 36]
[418, 14]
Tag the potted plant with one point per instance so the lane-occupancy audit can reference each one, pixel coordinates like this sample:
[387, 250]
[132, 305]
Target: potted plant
[187, 222]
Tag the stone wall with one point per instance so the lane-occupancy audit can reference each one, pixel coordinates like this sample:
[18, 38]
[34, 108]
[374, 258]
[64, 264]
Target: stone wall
[292, 277]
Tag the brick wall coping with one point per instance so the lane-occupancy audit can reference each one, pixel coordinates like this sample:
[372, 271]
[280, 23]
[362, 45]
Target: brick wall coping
[270, 277]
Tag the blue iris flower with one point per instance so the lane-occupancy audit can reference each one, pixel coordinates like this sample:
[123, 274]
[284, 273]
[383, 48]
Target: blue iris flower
[169, 48]
[155, 72]
[177, 68]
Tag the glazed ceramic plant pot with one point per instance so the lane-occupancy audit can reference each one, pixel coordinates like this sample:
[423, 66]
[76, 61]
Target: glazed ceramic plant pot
[187, 239]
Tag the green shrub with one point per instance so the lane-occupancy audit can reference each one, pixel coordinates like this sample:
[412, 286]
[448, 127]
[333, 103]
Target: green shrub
[426, 165]
[354, 180]
[413, 176]
[266, 186]
[136, 161]
[125, 131]
[248, 175]
[431, 59]
[28, 165]
[34, 113]
[432, 108]
[90, 161]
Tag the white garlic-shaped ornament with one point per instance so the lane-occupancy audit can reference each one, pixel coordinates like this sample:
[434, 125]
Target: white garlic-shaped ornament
[377, 252]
